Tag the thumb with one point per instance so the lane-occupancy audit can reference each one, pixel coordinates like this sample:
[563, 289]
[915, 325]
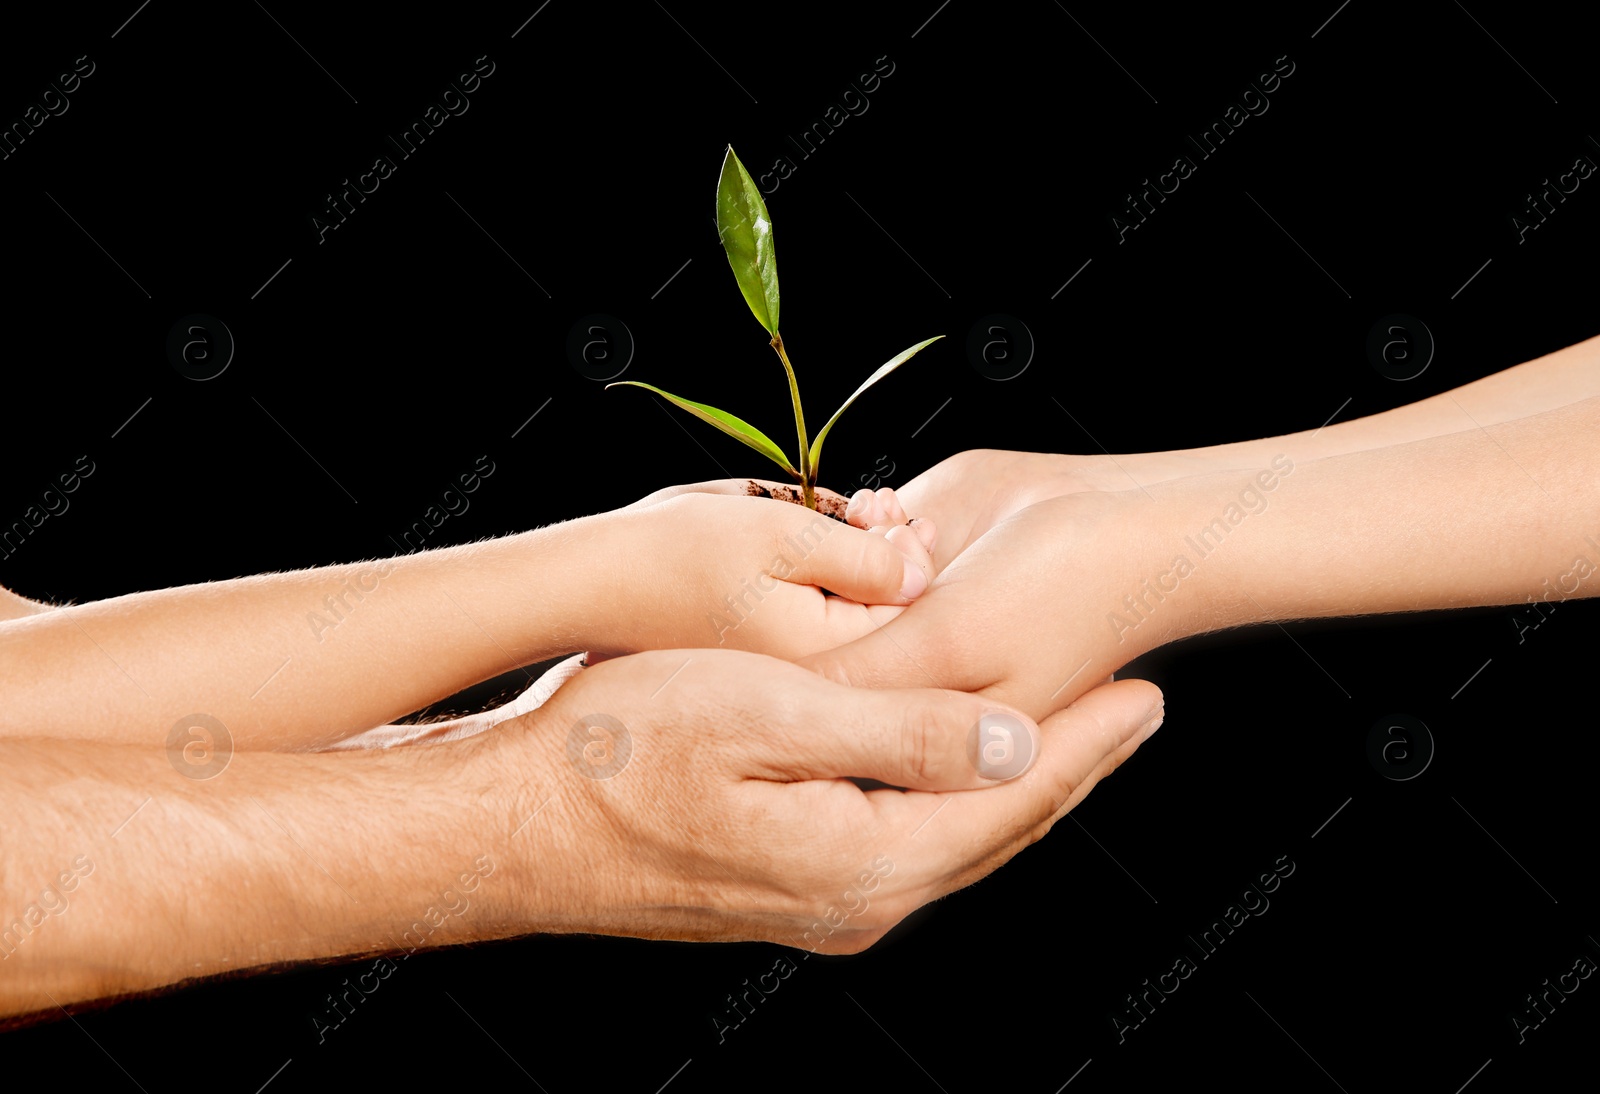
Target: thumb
[1103, 727]
[866, 568]
[891, 656]
[1080, 745]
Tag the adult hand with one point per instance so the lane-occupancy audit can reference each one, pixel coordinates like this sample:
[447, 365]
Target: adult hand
[716, 810]
[703, 794]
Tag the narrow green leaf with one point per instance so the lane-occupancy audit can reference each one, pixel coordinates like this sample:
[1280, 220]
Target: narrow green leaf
[893, 363]
[746, 232]
[733, 427]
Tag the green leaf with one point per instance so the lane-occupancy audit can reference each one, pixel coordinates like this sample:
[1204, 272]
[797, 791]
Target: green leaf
[746, 232]
[733, 427]
[889, 366]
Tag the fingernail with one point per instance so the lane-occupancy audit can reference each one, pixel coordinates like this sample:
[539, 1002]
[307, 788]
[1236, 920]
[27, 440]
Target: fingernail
[861, 506]
[1002, 746]
[1153, 723]
[915, 582]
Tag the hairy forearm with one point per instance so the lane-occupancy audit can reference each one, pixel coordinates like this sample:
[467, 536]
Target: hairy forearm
[296, 660]
[1546, 383]
[1487, 516]
[122, 877]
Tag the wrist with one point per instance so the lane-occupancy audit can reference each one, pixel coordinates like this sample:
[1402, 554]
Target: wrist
[556, 591]
[528, 775]
[1204, 536]
[612, 571]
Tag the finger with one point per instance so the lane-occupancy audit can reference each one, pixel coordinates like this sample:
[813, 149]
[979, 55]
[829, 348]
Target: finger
[855, 564]
[1113, 760]
[891, 656]
[828, 501]
[1105, 725]
[863, 510]
[926, 532]
[889, 505]
[909, 544]
[924, 646]
[710, 486]
[919, 739]
[1110, 721]
[1106, 766]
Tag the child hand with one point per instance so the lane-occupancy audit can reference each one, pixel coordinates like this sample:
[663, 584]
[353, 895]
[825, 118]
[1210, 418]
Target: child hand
[728, 567]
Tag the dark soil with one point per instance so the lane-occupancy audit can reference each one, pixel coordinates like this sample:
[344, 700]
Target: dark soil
[829, 504]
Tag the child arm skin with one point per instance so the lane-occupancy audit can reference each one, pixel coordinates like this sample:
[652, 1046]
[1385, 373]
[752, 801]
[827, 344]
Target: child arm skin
[1066, 590]
[300, 660]
[969, 493]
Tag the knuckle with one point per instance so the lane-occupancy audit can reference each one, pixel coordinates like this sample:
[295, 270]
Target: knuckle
[831, 668]
[878, 565]
[921, 747]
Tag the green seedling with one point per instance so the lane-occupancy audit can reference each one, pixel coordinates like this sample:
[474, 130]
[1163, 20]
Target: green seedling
[746, 232]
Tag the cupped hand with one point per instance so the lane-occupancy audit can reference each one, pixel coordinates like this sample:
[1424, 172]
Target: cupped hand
[709, 564]
[1032, 613]
[708, 795]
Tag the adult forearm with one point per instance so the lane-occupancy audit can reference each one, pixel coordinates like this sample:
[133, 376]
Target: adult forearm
[122, 877]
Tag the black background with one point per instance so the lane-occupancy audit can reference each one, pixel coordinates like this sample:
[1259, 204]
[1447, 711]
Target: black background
[379, 364]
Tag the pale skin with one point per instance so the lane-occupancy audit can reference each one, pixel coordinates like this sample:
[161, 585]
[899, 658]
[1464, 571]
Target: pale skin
[1484, 495]
[734, 818]
[747, 832]
[970, 492]
[1418, 509]
[296, 660]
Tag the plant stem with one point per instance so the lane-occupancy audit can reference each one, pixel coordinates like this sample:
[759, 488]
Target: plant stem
[807, 478]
